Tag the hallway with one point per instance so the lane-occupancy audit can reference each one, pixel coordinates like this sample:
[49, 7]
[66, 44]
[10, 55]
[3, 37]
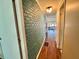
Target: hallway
[50, 51]
[38, 15]
[39, 29]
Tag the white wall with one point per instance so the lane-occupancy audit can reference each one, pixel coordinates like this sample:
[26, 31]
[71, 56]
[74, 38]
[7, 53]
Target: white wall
[71, 36]
[51, 19]
[59, 25]
[8, 32]
[57, 28]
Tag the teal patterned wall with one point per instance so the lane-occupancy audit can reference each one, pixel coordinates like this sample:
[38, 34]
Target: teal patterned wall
[34, 25]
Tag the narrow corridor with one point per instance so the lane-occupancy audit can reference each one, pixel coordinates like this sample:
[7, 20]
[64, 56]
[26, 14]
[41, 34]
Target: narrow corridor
[27, 29]
[49, 50]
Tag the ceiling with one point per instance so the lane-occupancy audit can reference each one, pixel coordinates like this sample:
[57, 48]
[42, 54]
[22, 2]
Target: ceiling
[46, 3]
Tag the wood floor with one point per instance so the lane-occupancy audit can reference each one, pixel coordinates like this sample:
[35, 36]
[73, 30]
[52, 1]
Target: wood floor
[49, 50]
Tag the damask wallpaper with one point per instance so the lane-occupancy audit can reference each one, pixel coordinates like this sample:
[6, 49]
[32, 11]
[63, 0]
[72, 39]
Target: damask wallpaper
[34, 26]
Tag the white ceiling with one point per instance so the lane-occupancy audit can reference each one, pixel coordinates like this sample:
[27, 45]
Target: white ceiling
[46, 3]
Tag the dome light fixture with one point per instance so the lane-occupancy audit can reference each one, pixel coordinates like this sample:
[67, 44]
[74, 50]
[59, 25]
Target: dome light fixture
[49, 9]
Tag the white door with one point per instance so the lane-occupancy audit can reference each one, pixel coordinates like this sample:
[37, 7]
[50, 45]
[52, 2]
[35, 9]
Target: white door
[8, 33]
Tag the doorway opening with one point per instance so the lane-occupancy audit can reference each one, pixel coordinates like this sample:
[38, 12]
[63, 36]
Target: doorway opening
[42, 26]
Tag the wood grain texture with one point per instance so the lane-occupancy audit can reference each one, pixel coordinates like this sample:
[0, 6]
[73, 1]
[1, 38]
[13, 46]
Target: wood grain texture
[50, 51]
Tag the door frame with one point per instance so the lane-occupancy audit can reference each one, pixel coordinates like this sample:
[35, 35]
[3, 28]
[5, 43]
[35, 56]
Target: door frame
[19, 21]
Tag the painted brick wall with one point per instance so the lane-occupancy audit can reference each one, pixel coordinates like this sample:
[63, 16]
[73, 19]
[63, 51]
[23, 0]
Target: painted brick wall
[34, 24]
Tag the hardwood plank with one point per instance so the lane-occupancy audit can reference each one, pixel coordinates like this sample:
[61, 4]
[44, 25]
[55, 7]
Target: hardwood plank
[50, 51]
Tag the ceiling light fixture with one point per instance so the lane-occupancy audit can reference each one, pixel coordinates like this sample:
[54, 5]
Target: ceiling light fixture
[49, 9]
